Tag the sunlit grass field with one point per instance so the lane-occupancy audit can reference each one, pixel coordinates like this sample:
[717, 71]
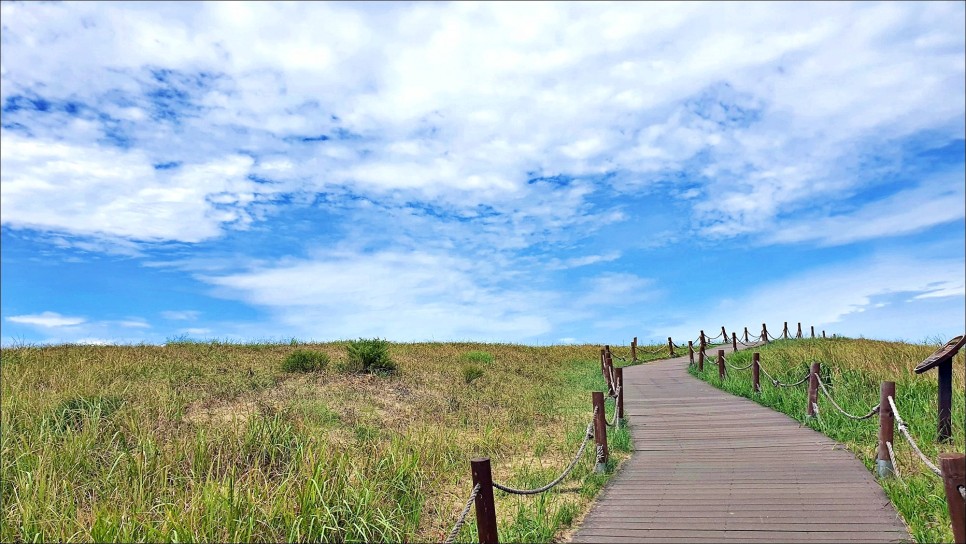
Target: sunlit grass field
[216, 442]
[852, 370]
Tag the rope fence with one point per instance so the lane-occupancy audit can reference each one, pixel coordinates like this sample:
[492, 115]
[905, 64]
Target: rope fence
[951, 468]
[483, 485]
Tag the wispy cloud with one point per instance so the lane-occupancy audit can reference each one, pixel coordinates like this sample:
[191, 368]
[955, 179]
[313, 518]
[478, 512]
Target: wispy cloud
[47, 320]
[181, 315]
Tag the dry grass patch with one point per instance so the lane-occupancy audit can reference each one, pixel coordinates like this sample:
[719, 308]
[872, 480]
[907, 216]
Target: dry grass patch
[215, 442]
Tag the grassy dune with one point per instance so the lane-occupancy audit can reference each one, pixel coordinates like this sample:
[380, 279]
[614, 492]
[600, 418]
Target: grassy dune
[853, 370]
[215, 442]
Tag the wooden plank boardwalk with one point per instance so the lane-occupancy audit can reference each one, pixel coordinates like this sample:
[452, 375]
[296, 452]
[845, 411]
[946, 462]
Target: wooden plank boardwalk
[709, 466]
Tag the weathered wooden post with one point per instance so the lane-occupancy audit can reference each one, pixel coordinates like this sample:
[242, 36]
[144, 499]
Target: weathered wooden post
[721, 364]
[755, 370]
[724, 335]
[600, 431]
[701, 361]
[634, 350]
[785, 331]
[670, 347]
[485, 507]
[620, 397]
[813, 330]
[883, 462]
[609, 367]
[823, 334]
[746, 335]
[813, 389]
[764, 333]
[691, 352]
[798, 332]
[734, 342]
[953, 467]
[943, 359]
[702, 340]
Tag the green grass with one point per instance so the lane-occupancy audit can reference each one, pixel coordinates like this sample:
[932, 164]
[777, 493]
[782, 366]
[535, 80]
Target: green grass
[216, 442]
[305, 361]
[852, 370]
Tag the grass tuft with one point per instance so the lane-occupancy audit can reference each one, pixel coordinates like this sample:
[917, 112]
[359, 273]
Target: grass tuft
[305, 361]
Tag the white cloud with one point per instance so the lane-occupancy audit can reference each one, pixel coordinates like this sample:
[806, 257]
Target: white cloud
[181, 315]
[134, 324]
[47, 320]
[458, 104]
[830, 296]
[99, 191]
[935, 202]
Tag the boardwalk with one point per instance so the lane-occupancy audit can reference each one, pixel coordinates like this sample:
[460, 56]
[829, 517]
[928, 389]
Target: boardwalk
[712, 467]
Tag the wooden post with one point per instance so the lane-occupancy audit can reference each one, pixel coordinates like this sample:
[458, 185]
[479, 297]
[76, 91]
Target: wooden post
[813, 331]
[764, 333]
[603, 371]
[702, 340]
[701, 361]
[813, 389]
[798, 333]
[634, 350]
[734, 342]
[691, 351]
[609, 367]
[785, 331]
[724, 335]
[721, 364]
[755, 370]
[823, 334]
[485, 508]
[670, 346]
[620, 397]
[600, 431]
[883, 463]
[945, 401]
[953, 467]
[746, 335]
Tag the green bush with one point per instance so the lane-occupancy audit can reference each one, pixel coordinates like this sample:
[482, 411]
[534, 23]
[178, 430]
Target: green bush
[305, 361]
[482, 357]
[369, 355]
[471, 372]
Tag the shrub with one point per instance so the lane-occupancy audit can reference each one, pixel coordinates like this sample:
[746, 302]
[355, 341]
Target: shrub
[305, 361]
[482, 357]
[471, 372]
[370, 355]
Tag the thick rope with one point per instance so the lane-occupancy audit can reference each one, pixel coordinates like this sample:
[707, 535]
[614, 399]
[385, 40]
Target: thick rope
[915, 447]
[892, 457]
[739, 367]
[777, 383]
[462, 517]
[872, 412]
[615, 397]
[570, 467]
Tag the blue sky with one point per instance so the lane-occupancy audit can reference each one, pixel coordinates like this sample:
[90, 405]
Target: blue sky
[537, 173]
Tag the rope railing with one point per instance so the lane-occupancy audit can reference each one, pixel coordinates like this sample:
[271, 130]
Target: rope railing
[872, 412]
[482, 492]
[462, 517]
[558, 479]
[903, 428]
[950, 468]
[777, 383]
